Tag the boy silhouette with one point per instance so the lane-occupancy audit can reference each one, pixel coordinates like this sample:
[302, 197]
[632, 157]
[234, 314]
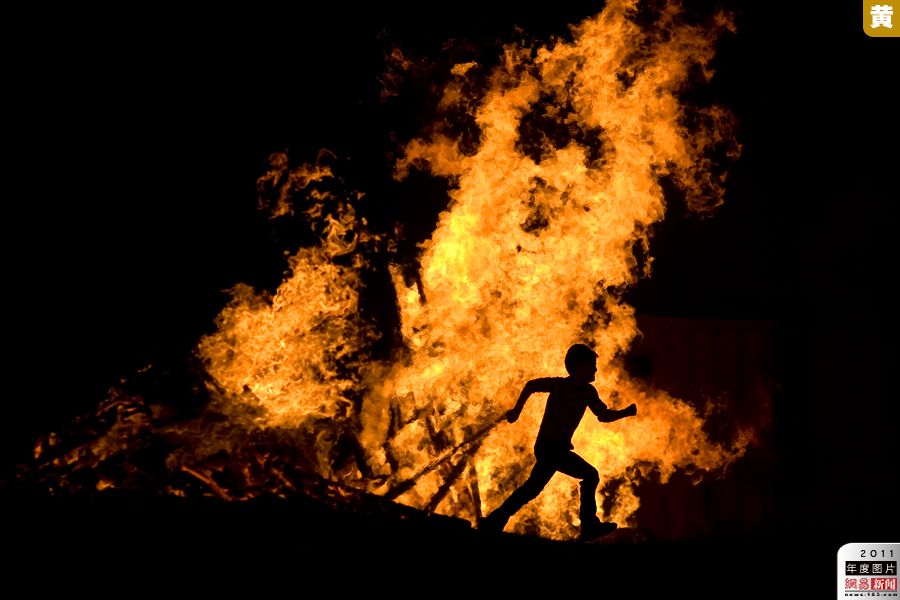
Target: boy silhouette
[569, 396]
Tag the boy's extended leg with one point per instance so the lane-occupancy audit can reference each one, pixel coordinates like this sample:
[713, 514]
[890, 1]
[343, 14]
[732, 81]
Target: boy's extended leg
[539, 477]
[574, 465]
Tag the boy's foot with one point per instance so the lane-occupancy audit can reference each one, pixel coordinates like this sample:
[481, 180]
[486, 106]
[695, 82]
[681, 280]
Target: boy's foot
[594, 529]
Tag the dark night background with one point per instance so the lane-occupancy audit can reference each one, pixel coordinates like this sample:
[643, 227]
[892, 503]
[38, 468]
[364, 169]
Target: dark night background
[131, 206]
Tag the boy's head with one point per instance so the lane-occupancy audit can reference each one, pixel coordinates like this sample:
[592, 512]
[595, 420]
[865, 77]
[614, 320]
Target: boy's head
[581, 362]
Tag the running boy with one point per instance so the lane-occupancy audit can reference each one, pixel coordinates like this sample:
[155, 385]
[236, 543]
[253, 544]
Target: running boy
[569, 396]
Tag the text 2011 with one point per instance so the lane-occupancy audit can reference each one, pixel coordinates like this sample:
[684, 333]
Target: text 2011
[863, 553]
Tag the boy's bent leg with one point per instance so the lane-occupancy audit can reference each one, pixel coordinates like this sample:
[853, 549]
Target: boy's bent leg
[540, 475]
[575, 466]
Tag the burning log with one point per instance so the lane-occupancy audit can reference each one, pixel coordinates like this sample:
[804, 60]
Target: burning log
[399, 488]
[209, 482]
[474, 492]
[449, 478]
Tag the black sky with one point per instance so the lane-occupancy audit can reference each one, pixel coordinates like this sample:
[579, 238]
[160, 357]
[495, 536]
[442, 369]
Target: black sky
[131, 198]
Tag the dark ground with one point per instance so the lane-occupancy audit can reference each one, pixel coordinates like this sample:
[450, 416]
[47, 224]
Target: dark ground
[209, 547]
[131, 205]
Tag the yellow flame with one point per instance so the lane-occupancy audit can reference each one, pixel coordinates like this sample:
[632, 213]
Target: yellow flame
[283, 352]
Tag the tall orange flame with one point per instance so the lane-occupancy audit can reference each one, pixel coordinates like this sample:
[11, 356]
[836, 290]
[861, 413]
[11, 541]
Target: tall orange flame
[532, 254]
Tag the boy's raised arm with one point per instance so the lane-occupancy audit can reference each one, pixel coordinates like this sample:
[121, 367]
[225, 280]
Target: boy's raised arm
[608, 415]
[541, 384]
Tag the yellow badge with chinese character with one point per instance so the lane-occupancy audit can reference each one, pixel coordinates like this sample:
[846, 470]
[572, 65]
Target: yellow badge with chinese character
[879, 18]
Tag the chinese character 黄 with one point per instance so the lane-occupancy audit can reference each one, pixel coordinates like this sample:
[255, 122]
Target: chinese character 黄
[881, 16]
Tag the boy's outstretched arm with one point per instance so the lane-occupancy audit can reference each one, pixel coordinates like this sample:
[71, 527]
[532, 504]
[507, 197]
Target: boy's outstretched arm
[542, 384]
[608, 415]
